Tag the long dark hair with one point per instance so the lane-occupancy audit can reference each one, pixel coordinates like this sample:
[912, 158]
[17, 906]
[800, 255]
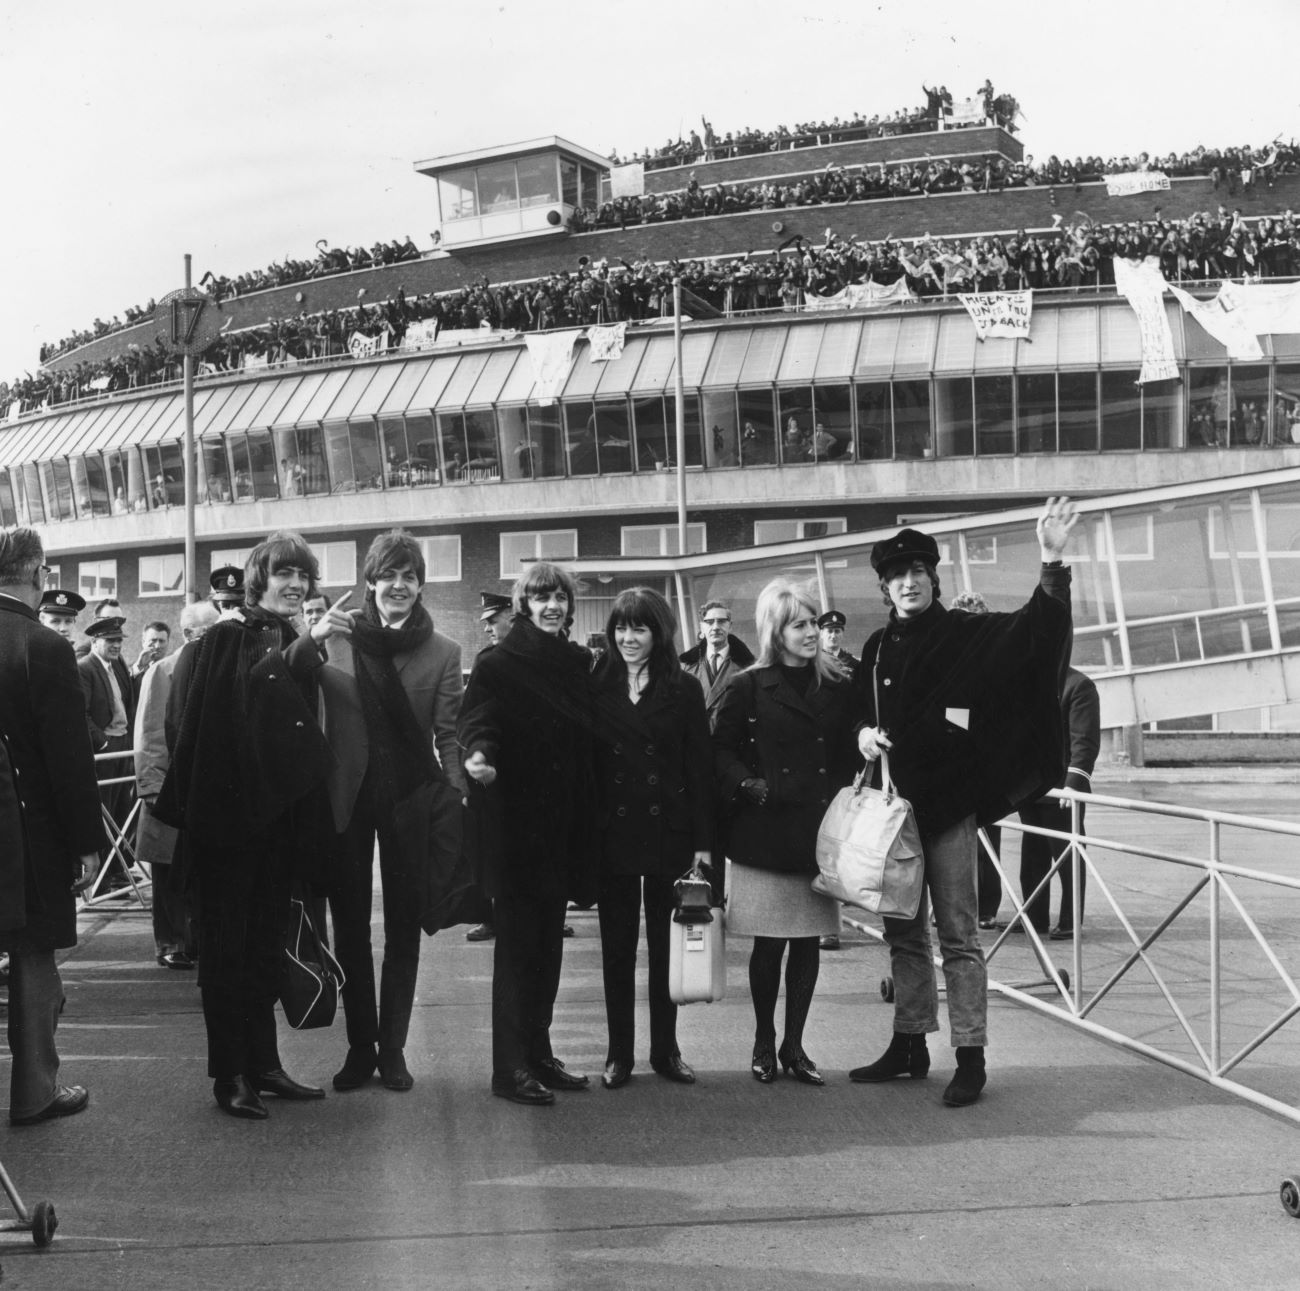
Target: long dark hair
[640, 607]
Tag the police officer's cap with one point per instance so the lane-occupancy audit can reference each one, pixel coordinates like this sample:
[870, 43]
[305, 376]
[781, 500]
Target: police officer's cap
[833, 619]
[905, 545]
[54, 600]
[106, 629]
[227, 583]
[491, 604]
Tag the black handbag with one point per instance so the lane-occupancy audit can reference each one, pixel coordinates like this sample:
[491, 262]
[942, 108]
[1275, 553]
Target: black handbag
[313, 979]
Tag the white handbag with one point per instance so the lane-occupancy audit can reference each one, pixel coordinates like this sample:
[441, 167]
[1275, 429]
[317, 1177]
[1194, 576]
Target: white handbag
[697, 966]
[869, 849]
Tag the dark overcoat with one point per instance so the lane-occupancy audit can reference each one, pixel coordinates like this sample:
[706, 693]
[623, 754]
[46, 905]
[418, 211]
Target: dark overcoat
[656, 780]
[527, 709]
[99, 697]
[806, 750]
[43, 717]
[695, 662]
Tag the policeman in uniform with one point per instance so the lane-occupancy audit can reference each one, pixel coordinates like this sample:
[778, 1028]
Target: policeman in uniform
[59, 609]
[227, 584]
[832, 625]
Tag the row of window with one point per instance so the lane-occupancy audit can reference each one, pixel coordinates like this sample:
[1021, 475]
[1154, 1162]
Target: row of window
[164, 574]
[1240, 405]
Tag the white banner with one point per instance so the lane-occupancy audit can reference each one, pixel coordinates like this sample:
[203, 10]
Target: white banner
[551, 353]
[862, 295]
[966, 112]
[1265, 308]
[1136, 181]
[251, 361]
[1227, 326]
[606, 342]
[1143, 286]
[364, 347]
[627, 181]
[999, 313]
[420, 334]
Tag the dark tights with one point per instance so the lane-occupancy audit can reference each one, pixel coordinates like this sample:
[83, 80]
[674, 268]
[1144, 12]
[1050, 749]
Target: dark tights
[801, 969]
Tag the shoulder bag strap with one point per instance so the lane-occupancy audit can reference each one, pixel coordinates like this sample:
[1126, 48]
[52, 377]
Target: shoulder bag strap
[886, 781]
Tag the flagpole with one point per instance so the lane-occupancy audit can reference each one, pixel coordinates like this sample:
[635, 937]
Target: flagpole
[680, 388]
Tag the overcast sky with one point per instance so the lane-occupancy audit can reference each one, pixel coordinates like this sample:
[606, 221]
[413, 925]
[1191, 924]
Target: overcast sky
[136, 131]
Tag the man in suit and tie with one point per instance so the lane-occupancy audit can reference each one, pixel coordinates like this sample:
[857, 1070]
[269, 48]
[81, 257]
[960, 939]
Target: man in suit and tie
[718, 657]
[55, 827]
[110, 695]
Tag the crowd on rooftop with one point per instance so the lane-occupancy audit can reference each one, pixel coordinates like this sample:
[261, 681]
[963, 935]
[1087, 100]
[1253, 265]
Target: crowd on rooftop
[706, 144]
[1078, 255]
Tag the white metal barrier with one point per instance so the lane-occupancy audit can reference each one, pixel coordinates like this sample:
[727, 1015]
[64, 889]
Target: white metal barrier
[121, 859]
[1110, 939]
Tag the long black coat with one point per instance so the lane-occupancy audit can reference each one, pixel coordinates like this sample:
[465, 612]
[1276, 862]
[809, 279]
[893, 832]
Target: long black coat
[527, 709]
[43, 716]
[657, 781]
[805, 748]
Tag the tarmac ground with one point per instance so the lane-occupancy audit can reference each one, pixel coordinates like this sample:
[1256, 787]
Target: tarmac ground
[1084, 1165]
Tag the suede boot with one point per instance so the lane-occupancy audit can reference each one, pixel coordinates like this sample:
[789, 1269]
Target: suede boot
[907, 1055]
[966, 1085]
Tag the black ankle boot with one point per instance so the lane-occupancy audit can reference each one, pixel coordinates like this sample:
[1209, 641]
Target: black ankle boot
[966, 1085]
[906, 1056]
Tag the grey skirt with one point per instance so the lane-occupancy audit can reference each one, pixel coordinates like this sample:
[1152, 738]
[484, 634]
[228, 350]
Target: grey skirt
[762, 903]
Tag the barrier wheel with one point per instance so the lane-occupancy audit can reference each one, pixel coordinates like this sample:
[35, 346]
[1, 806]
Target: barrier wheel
[1065, 978]
[44, 1222]
[887, 989]
[1290, 1195]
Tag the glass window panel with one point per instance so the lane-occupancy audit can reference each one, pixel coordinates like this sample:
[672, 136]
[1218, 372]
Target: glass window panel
[1199, 344]
[519, 384]
[912, 421]
[338, 563]
[916, 342]
[617, 375]
[1076, 395]
[954, 417]
[654, 375]
[392, 435]
[580, 438]
[441, 558]
[1286, 403]
[763, 356]
[614, 428]
[1209, 407]
[162, 575]
[433, 381]
[517, 450]
[1121, 411]
[328, 390]
[1162, 414]
[875, 421]
[483, 462]
[546, 437]
[691, 429]
[133, 429]
[757, 428]
[45, 483]
[652, 434]
[261, 459]
[728, 356]
[1036, 393]
[127, 473]
[1121, 337]
[97, 579]
[451, 441]
[876, 352]
[456, 393]
[497, 189]
[995, 423]
[376, 393]
[349, 394]
[795, 412]
[96, 485]
[215, 471]
[269, 413]
[996, 353]
[1077, 337]
[832, 421]
[696, 351]
[955, 348]
[422, 441]
[722, 441]
[221, 422]
[241, 469]
[1282, 518]
[568, 181]
[839, 349]
[165, 467]
[338, 455]
[169, 424]
[584, 377]
[58, 491]
[366, 460]
[457, 194]
[1250, 406]
[799, 358]
[487, 389]
[247, 412]
[298, 401]
[211, 408]
[538, 183]
[8, 505]
[24, 506]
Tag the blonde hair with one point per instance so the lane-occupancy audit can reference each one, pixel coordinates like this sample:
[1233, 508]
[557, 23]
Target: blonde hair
[779, 604]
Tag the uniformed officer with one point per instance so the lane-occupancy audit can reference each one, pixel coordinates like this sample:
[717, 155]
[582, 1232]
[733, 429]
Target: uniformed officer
[495, 613]
[832, 625]
[59, 609]
[227, 584]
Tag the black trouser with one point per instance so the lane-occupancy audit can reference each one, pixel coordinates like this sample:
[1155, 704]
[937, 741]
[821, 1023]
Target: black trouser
[620, 927]
[526, 959]
[349, 903]
[173, 925]
[243, 918]
[1037, 855]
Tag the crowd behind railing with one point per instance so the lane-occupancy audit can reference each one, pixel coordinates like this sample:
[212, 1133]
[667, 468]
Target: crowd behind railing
[706, 144]
[1077, 256]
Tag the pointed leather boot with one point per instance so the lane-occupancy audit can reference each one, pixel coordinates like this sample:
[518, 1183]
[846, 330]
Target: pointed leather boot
[906, 1056]
[966, 1086]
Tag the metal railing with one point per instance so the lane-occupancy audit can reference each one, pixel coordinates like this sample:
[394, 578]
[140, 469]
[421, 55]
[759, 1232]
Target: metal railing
[121, 859]
[1113, 949]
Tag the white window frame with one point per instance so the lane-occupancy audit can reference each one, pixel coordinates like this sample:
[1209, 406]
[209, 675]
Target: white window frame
[163, 589]
[800, 534]
[697, 538]
[338, 563]
[1283, 512]
[511, 572]
[94, 590]
[427, 546]
[54, 578]
[1129, 530]
[237, 556]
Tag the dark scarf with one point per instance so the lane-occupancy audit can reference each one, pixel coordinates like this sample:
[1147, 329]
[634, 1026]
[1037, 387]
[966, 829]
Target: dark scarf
[401, 756]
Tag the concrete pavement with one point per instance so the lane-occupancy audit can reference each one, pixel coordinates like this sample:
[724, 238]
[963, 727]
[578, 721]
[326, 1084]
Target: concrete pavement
[1083, 1166]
